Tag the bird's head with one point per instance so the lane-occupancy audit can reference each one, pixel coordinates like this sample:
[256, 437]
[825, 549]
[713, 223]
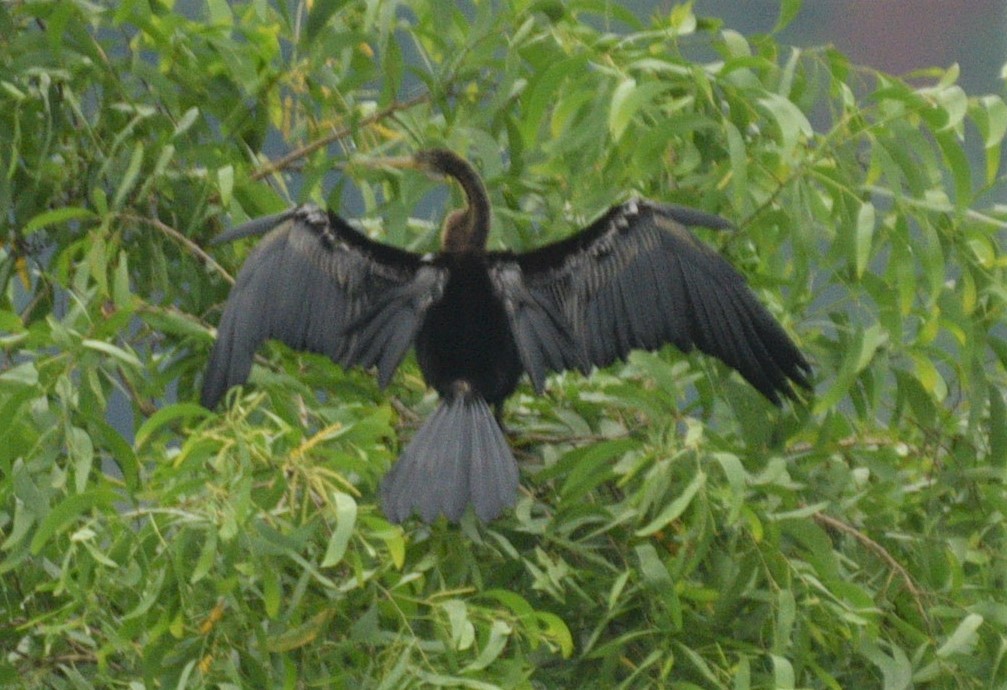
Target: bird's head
[464, 229]
[437, 162]
[442, 163]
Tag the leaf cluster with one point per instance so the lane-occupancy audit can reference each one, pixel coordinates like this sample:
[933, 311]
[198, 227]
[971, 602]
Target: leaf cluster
[674, 529]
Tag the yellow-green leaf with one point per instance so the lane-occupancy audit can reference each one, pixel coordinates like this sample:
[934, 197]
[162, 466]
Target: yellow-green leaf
[346, 518]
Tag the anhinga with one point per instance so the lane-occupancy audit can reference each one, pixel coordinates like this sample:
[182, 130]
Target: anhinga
[478, 320]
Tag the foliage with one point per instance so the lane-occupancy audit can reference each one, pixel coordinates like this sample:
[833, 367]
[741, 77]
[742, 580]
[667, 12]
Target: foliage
[674, 530]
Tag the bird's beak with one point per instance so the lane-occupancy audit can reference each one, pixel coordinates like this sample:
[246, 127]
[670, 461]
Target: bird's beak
[402, 163]
[393, 162]
[396, 162]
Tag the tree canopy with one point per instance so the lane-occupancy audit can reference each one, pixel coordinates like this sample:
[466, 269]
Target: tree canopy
[674, 529]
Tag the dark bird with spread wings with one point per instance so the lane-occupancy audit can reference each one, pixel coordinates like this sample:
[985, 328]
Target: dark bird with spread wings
[636, 278]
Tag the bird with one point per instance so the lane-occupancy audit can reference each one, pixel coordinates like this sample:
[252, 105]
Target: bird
[479, 320]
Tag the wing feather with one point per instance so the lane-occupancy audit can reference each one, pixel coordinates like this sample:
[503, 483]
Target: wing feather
[540, 327]
[319, 285]
[637, 278]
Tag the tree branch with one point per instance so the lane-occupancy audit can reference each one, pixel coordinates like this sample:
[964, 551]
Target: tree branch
[174, 234]
[308, 149]
[882, 553]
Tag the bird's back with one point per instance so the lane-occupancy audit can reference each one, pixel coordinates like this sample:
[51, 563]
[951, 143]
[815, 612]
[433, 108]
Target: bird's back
[466, 335]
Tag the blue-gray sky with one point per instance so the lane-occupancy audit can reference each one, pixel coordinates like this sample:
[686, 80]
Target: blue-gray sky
[896, 36]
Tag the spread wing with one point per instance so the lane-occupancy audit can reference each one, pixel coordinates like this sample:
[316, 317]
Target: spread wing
[637, 278]
[317, 284]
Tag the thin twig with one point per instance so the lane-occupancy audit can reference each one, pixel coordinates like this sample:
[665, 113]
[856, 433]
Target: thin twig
[405, 412]
[147, 408]
[969, 213]
[184, 241]
[308, 149]
[882, 553]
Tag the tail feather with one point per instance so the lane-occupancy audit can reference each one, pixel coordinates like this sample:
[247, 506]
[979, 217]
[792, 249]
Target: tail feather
[493, 478]
[459, 456]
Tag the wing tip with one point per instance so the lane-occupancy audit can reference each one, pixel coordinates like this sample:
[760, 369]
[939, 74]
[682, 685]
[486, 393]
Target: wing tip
[688, 216]
[254, 227]
[795, 378]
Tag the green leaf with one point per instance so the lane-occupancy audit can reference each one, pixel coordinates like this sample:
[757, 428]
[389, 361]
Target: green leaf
[164, 417]
[556, 630]
[991, 119]
[929, 377]
[964, 638]
[627, 100]
[207, 556]
[271, 591]
[67, 511]
[682, 19]
[500, 633]
[652, 569]
[173, 322]
[220, 12]
[58, 216]
[463, 633]
[587, 467]
[517, 604]
[786, 614]
[541, 94]
[739, 166]
[24, 374]
[743, 675]
[120, 284]
[151, 595]
[301, 635]
[114, 351]
[618, 114]
[674, 509]
[736, 44]
[864, 237]
[129, 178]
[793, 125]
[617, 588]
[225, 182]
[789, 9]
[997, 428]
[958, 165]
[81, 451]
[346, 518]
[10, 323]
[955, 105]
[859, 353]
[108, 439]
[186, 121]
[319, 14]
[163, 159]
[783, 673]
[896, 669]
[737, 478]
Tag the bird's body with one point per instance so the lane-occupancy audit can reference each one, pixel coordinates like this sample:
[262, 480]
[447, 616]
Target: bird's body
[466, 335]
[478, 320]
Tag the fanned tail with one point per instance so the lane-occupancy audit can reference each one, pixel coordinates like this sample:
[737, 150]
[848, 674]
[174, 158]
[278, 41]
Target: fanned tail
[459, 456]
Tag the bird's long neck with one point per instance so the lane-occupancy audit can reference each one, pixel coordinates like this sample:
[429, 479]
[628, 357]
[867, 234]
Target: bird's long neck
[466, 230]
